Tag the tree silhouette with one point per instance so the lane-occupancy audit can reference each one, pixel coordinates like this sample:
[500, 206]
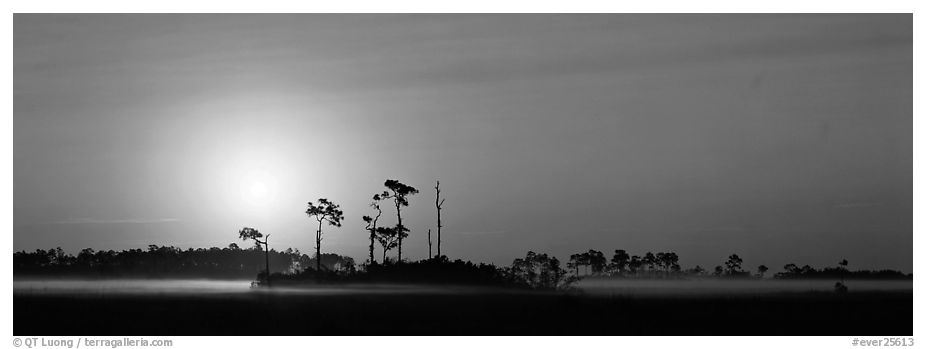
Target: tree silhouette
[248, 233]
[86, 257]
[325, 211]
[574, 262]
[649, 260]
[597, 261]
[843, 268]
[697, 270]
[667, 261]
[399, 195]
[661, 261]
[733, 263]
[372, 221]
[538, 271]
[620, 260]
[584, 259]
[672, 260]
[439, 203]
[388, 238]
[635, 264]
[167, 261]
[290, 264]
[762, 269]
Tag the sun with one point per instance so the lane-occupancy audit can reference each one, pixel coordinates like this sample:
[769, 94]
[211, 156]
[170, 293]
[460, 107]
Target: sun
[257, 188]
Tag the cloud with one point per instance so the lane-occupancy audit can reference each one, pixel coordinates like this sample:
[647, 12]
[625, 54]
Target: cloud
[111, 221]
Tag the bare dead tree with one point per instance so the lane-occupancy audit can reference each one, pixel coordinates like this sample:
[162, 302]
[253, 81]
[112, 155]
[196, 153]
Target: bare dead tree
[439, 203]
[429, 245]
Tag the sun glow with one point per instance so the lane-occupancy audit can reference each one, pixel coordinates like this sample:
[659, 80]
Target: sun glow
[258, 188]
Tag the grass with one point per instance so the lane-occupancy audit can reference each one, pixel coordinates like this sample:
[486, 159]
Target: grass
[464, 313]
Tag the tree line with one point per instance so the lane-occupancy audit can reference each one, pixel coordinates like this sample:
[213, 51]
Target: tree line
[666, 264]
[534, 270]
[233, 262]
[156, 261]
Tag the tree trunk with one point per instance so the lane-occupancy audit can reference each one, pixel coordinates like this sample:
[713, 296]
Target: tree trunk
[267, 258]
[318, 248]
[372, 232]
[429, 244]
[438, 203]
[398, 212]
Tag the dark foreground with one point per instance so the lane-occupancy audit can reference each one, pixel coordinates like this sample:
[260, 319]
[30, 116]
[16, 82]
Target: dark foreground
[475, 313]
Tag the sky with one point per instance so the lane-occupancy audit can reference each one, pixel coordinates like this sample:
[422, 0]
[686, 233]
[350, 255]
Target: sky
[781, 138]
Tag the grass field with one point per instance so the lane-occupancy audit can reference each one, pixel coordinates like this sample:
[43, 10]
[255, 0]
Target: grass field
[474, 312]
